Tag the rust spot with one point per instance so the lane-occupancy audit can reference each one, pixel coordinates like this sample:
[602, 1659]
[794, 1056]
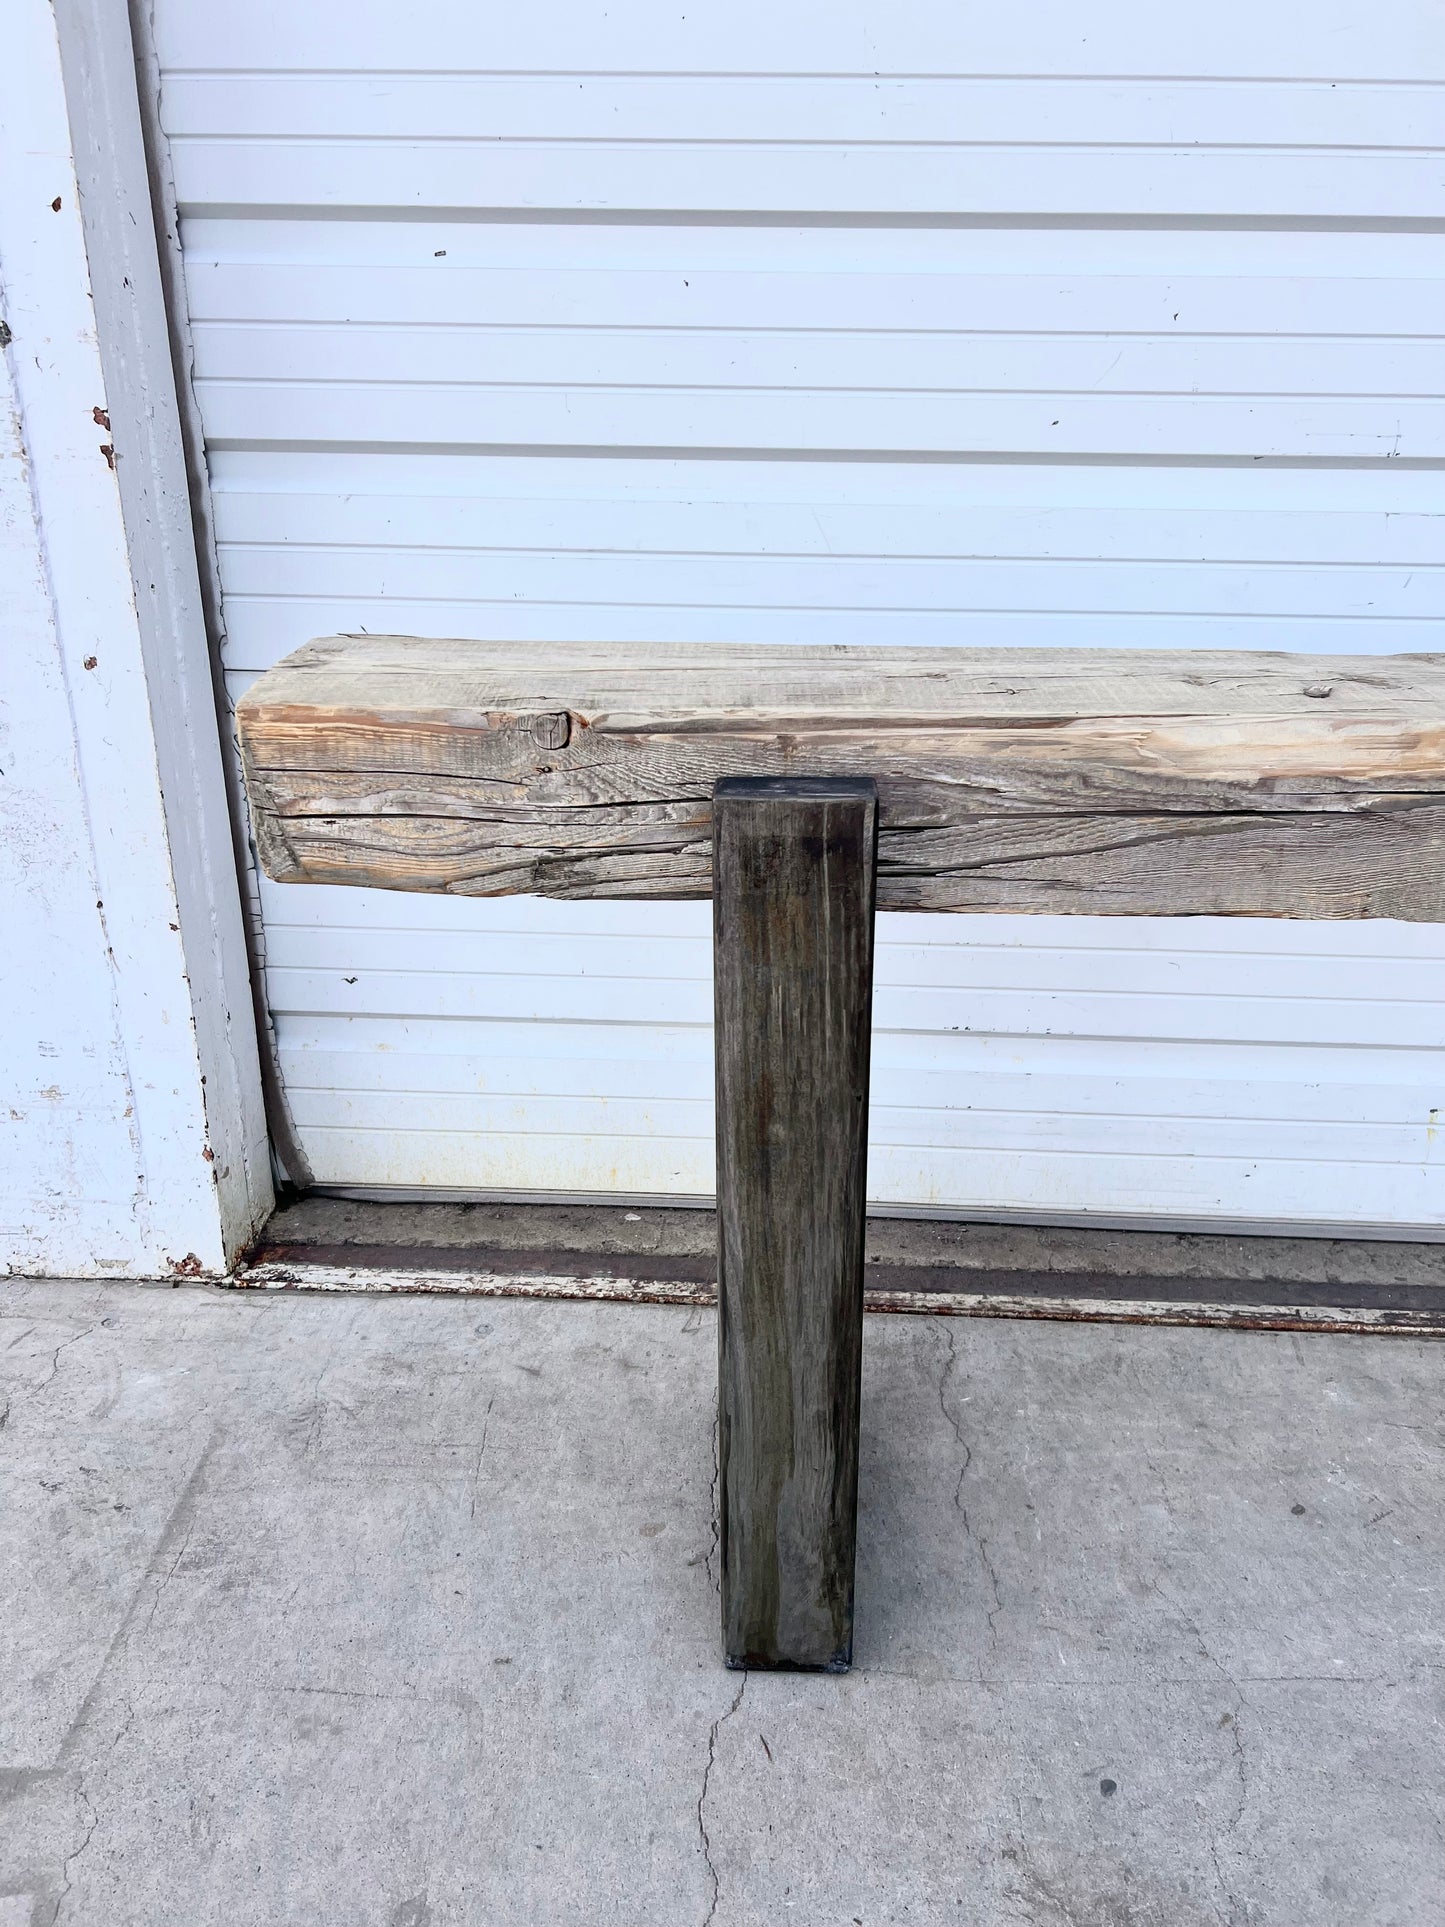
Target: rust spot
[209, 1155]
[55, 205]
[90, 662]
[188, 1267]
[109, 453]
[101, 418]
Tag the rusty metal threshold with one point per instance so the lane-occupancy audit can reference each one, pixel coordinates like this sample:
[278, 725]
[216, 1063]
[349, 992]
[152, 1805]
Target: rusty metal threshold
[990, 1271]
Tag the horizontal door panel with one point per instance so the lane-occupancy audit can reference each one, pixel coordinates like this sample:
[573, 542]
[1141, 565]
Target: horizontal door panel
[892, 361]
[709, 528]
[975, 1127]
[1119, 1012]
[1323, 39]
[1114, 426]
[981, 1076]
[632, 173]
[944, 959]
[741, 110]
[1037, 1185]
[373, 572]
[942, 292]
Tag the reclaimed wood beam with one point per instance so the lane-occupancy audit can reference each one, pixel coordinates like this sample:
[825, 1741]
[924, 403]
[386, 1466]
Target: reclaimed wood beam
[1092, 781]
[793, 977]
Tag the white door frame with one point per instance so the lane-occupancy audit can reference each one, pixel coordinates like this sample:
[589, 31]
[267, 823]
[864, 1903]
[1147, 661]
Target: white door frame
[97, 401]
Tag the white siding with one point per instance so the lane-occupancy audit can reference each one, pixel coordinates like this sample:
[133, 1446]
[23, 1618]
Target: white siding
[880, 324]
[127, 1146]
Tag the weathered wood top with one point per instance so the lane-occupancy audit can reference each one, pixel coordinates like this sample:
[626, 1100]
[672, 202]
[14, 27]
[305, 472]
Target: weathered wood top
[1103, 781]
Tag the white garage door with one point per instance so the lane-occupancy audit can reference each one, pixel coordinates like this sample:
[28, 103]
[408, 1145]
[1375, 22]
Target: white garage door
[860, 323]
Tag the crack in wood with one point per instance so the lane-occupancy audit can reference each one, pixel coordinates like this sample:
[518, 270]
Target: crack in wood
[1136, 783]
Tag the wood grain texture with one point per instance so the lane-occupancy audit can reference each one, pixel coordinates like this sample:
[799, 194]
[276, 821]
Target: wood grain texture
[1117, 782]
[793, 930]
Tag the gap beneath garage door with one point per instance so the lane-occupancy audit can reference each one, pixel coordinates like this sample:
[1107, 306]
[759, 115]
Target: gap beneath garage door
[1010, 1271]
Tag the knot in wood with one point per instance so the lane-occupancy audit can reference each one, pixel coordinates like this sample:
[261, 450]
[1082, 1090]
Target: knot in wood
[551, 730]
[1100, 782]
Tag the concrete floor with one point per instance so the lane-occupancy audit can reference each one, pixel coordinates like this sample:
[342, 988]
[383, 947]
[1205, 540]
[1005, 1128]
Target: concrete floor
[396, 1612]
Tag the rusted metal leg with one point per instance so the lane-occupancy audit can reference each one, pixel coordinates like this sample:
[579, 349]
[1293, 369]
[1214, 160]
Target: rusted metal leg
[793, 893]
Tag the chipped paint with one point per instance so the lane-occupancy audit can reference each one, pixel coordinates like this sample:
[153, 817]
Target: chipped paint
[618, 1288]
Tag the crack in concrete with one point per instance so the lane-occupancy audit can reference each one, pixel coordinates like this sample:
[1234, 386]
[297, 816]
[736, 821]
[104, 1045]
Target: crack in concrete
[123, 1730]
[317, 1417]
[481, 1449]
[185, 1517]
[1232, 1719]
[49, 1919]
[360, 1693]
[1060, 1906]
[64, 1346]
[716, 1509]
[718, 1724]
[181, 1521]
[976, 1538]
